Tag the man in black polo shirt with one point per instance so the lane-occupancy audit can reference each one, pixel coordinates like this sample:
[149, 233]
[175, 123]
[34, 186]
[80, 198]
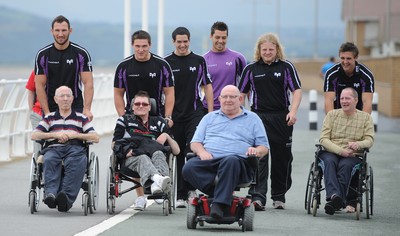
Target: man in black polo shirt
[64, 63]
[144, 71]
[191, 75]
[349, 73]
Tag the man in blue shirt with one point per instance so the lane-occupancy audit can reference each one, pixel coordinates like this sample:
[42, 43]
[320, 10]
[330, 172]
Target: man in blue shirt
[222, 142]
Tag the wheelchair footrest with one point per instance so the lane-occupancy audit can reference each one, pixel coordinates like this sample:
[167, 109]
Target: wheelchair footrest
[212, 220]
[158, 196]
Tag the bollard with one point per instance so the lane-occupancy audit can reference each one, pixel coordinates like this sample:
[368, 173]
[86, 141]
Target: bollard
[374, 112]
[313, 113]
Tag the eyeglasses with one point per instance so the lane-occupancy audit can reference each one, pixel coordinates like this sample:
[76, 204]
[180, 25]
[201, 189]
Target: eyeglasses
[229, 96]
[143, 104]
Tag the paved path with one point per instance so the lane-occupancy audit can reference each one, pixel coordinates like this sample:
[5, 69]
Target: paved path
[15, 218]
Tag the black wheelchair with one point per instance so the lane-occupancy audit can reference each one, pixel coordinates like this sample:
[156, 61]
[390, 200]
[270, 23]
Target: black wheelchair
[117, 174]
[89, 185]
[241, 210]
[362, 181]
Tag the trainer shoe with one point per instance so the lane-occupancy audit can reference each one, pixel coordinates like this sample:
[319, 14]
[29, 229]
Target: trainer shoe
[335, 204]
[258, 206]
[278, 205]
[140, 203]
[160, 184]
[180, 203]
[50, 200]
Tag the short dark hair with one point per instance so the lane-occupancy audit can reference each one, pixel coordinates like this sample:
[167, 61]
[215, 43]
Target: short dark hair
[180, 31]
[141, 93]
[349, 47]
[219, 25]
[141, 34]
[60, 19]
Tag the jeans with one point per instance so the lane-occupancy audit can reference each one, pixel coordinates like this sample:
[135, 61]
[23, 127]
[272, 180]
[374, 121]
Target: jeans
[69, 181]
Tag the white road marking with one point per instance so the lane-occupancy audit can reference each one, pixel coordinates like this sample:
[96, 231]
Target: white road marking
[107, 224]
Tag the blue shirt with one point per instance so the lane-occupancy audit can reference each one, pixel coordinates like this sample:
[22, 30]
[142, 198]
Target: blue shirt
[222, 136]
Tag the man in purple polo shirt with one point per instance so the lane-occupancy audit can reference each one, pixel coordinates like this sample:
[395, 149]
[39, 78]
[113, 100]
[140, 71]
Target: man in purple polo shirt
[224, 65]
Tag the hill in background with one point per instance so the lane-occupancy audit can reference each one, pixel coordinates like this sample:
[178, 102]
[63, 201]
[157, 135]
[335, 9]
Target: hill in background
[24, 34]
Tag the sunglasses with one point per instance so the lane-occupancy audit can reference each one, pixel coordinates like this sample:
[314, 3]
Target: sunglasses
[143, 104]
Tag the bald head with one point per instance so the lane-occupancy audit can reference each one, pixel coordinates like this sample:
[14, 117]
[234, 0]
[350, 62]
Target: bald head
[230, 89]
[230, 100]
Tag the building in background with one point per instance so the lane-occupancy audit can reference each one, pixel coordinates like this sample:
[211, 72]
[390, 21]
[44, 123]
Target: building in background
[373, 26]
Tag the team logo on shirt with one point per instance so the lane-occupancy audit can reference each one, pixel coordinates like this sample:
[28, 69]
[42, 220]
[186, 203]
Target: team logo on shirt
[133, 124]
[228, 63]
[153, 127]
[152, 75]
[277, 74]
[192, 69]
[70, 61]
[356, 85]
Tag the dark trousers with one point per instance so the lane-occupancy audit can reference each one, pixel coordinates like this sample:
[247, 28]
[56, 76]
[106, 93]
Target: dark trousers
[280, 141]
[337, 173]
[231, 171]
[183, 133]
[75, 161]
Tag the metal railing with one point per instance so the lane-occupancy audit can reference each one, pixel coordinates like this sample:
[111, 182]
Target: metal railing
[15, 126]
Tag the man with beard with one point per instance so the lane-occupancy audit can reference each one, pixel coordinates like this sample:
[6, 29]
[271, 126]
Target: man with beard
[64, 63]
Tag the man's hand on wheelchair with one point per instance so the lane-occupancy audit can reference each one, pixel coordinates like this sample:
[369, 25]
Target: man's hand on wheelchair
[252, 151]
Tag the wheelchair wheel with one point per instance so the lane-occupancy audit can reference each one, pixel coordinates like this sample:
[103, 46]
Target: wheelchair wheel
[166, 207]
[34, 186]
[191, 216]
[371, 191]
[93, 182]
[314, 206]
[248, 218]
[358, 211]
[368, 192]
[85, 203]
[110, 187]
[309, 189]
[174, 175]
[32, 202]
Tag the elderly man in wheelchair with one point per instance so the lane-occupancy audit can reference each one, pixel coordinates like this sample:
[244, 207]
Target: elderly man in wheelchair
[345, 133]
[64, 132]
[139, 144]
[223, 143]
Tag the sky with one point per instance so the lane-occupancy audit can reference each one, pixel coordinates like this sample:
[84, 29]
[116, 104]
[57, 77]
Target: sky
[255, 13]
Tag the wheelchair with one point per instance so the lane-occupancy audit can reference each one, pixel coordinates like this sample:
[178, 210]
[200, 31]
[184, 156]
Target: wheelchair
[89, 184]
[117, 174]
[241, 210]
[364, 187]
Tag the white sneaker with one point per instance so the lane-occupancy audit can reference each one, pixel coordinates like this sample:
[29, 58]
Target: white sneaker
[159, 201]
[180, 203]
[278, 205]
[140, 203]
[191, 195]
[161, 184]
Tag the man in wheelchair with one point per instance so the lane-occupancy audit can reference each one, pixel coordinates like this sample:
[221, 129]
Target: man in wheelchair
[64, 132]
[345, 133]
[138, 143]
[222, 142]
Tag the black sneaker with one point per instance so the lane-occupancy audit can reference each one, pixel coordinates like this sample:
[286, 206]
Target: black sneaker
[50, 201]
[62, 202]
[335, 204]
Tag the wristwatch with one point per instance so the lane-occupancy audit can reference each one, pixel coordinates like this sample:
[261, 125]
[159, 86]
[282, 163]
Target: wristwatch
[168, 118]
